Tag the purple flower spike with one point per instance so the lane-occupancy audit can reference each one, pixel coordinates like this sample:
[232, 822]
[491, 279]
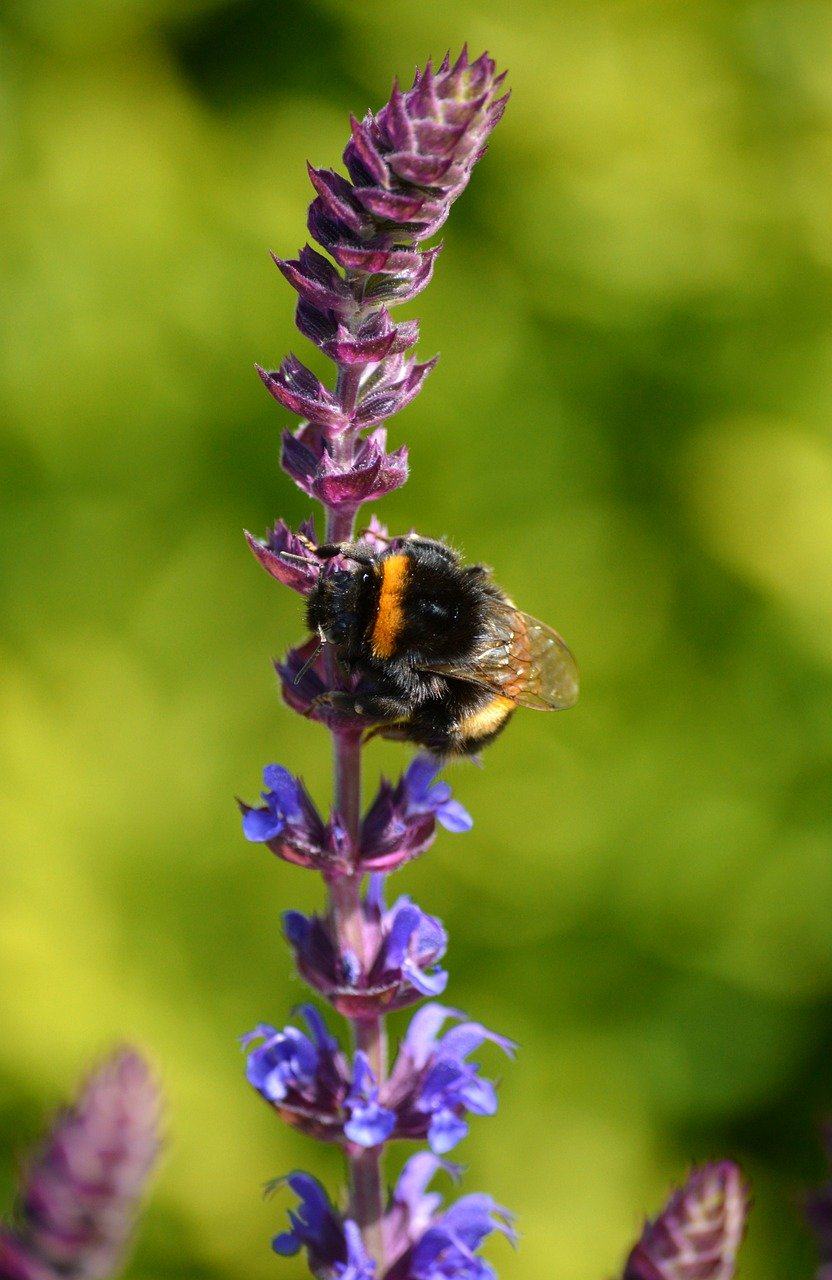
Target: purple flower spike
[697, 1235]
[405, 165]
[82, 1189]
[403, 946]
[429, 137]
[288, 822]
[289, 557]
[433, 1087]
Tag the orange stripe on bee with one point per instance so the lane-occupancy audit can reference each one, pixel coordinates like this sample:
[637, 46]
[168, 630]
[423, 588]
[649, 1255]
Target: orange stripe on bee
[487, 719]
[389, 615]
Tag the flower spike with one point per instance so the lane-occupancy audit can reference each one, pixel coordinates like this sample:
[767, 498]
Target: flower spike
[698, 1233]
[82, 1188]
[405, 166]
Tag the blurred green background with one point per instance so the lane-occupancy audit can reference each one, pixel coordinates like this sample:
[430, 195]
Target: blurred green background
[630, 421]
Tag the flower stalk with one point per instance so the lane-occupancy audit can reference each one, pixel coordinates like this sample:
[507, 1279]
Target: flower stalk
[406, 164]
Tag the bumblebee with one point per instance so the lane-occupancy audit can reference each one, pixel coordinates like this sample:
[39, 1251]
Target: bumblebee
[443, 655]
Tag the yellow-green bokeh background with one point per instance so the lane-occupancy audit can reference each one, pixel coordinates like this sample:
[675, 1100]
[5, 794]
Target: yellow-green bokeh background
[630, 421]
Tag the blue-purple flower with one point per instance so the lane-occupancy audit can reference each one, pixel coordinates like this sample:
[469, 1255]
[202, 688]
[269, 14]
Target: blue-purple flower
[304, 1077]
[401, 822]
[433, 1087]
[287, 821]
[368, 1123]
[447, 1250]
[421, 1241]
[282, 805]
[422, 795]
[431, 1090]
[309, 1082]
[402, 946]
[333, 1244]
[399, 825]
[698, 1233]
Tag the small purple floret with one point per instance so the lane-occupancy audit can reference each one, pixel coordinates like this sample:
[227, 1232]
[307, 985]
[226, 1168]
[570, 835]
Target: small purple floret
[432, 1086]
[289, 557]
[282, 805]
[422, 795]
[400, 824]
[402, 946]
[287, 821]
[369, 1123]
[308, 1080]
[333, 1245]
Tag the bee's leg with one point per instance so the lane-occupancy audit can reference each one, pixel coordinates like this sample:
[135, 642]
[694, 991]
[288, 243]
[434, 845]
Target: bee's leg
[329, 550]
[394, 731]
[378, 707]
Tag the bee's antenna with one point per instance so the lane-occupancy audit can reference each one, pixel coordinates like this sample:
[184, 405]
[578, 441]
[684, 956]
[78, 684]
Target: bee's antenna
[308, 663]
[382, 537]
[289, 555]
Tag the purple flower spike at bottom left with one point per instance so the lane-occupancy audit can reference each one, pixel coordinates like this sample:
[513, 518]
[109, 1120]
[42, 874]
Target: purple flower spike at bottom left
[83, 1187]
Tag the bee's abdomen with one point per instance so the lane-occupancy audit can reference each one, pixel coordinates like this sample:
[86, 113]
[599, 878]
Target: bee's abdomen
[460, 720]
[480, 726]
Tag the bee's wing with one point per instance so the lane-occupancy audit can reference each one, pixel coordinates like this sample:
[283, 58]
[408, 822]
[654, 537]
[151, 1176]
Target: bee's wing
[524, 660]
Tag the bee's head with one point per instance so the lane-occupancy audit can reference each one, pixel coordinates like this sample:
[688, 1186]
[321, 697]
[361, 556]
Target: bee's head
[338, 608]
